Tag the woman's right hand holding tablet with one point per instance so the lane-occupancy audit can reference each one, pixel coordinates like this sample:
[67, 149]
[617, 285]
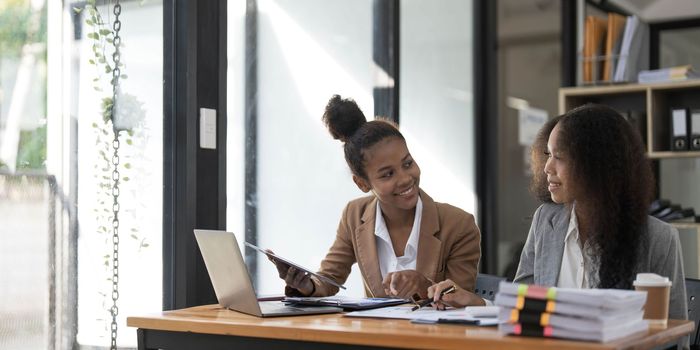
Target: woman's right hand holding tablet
[459, 298]
[294, 278]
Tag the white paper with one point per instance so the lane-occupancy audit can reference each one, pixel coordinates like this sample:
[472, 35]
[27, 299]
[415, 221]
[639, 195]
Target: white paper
[481, 311]
[530, 122]
[486, 315]
[400, 312]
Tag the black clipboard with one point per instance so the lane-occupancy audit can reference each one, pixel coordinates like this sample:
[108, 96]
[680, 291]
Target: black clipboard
[297, 266]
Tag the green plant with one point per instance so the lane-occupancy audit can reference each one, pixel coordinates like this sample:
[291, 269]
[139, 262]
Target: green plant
[32, 149]
[102, 37]
[128, 119]
[14, 19]
[120, 123]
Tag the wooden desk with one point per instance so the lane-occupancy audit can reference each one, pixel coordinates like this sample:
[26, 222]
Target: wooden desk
[211, 327]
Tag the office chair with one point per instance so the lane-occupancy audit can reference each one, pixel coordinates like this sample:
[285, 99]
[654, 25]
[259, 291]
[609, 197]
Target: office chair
[692, 288]
[487, 285]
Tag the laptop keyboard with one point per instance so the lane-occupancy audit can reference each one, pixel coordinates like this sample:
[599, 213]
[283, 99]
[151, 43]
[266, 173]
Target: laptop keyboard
[276, 307]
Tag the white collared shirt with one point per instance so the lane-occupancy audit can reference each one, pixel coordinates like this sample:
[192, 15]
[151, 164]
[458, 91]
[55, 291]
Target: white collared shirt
[574, 267]
[388, 261]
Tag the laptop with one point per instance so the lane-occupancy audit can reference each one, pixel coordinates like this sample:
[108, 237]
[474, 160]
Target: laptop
[231, 281]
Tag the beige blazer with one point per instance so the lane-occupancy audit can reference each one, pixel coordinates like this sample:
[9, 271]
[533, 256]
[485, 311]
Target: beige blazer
[449, 246]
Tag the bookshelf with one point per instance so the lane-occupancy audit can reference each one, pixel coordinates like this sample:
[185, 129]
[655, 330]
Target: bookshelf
[656, 101]
[687, 225]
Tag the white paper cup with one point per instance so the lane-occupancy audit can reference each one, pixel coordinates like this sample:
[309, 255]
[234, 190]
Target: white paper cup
[658, 290]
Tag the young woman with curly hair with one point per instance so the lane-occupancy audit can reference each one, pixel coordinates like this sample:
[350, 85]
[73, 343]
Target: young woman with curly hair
[592, 230]
[400, 237]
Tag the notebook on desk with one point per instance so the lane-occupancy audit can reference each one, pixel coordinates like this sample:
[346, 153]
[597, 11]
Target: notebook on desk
[232, 285]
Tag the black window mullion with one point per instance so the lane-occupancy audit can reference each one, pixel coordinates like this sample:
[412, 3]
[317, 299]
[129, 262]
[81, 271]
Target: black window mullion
[385, 53]
[486, 129]
[194, 78]
[568, 42]
[251, 135]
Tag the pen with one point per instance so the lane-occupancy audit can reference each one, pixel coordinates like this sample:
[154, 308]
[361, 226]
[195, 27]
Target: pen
[428, 301]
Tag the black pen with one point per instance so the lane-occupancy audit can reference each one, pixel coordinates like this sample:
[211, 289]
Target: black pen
[428, 301]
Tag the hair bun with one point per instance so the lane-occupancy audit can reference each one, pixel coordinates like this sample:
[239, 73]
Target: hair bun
[343, 117]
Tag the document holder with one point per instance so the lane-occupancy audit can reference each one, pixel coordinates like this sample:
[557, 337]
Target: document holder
[679, 129]
[694, 129]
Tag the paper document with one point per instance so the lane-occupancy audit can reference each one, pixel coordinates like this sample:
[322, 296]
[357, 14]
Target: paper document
[530, 121]
[429, 315]
[612, 299]
[297, 266]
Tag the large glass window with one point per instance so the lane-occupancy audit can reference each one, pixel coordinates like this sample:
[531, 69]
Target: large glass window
[436, 102]
[307, 51]
[57, 161]
[24, 191]
[529, 56]
[140, 111]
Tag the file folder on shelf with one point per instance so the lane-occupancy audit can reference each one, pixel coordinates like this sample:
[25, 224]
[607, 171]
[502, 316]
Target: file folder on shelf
[595, 33]
[694, 129]
[679, 129]
[634, 51]
[616, 26]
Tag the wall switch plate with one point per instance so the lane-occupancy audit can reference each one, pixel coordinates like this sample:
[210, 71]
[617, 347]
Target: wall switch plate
[207, 128]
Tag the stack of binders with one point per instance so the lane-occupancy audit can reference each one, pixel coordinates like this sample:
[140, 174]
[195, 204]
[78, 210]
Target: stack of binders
[599, 315]
[664, 210]
[685, 129]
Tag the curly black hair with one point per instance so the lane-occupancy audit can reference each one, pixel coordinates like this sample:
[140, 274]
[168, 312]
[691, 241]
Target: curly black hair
[347, 123]
[611, 170]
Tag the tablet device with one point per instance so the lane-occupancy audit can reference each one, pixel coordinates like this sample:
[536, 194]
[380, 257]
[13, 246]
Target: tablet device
[297, 266]
[347, 303]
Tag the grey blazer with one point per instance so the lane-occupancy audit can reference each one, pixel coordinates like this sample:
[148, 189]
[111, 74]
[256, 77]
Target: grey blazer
[540, 260]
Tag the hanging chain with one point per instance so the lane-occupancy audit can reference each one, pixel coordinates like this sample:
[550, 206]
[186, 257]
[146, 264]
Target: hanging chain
[116, 72]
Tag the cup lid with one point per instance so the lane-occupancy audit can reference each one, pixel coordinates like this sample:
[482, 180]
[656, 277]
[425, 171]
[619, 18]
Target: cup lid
[651, 280]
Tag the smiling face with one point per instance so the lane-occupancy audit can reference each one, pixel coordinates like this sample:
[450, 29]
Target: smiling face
[558, 166]
[392, 174]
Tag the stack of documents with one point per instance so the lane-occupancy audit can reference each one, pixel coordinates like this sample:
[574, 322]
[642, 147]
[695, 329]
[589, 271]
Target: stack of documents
[662, 75]
[583, 314]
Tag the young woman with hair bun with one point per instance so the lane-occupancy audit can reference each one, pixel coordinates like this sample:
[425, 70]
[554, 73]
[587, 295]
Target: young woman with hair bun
[399, 236]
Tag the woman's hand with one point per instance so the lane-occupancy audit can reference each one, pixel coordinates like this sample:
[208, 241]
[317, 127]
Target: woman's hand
[294, 278]
[403, 284]
[459, 298]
